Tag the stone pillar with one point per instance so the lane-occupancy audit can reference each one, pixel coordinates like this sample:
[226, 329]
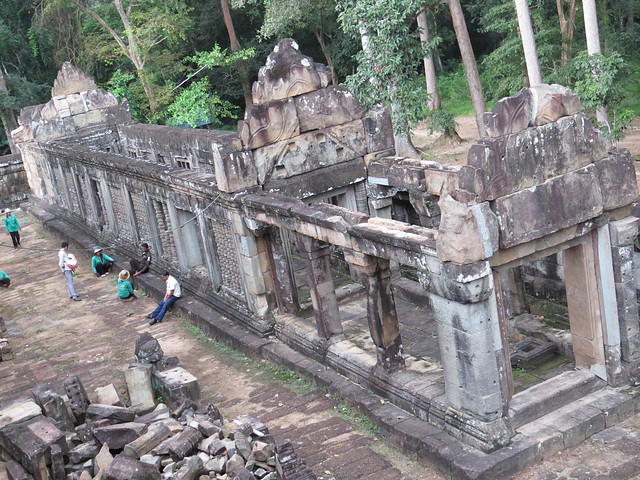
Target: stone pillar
[584, 306]
[472, 352]
[622, 234]
[323, 294]
[381, 309]
[252, 262]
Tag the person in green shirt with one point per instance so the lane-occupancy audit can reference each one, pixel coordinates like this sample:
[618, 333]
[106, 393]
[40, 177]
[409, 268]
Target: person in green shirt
[5, 281]
[125, 289]
[101, 262]
[13, 227]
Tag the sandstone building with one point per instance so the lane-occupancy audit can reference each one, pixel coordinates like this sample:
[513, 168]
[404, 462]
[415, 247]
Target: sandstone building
[280, 224]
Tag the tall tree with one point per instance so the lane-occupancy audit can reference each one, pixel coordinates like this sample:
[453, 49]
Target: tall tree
[567, 15]
[235, 47]
[592, 33]
[469, 62]
[528, 42]
[141, 28]
[433, 101]
[7, 115]
[391, 50]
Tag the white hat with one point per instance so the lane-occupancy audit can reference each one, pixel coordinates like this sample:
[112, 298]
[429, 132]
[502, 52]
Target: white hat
[7, 210]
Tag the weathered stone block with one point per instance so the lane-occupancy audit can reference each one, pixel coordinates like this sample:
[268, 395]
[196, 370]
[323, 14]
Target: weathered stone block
[78, 398]
[30, 442]
[550, 102]
[327, 107]
[287, 73]
[15, 471]
[71, 79]
[509, 115]
[88, 119]
[556, 204]
[77, 103]
[108, 395]
[19, 411]
[270, 123]
[234, 171]
[467, 234]
[310, 151]
[125, 468]
[379, 131]
[114, 414]
[175, 385]
[98, 99]
[623, 232]
[617, 179]
[148, 349]
[53, 405]
[117, 436]
[138, 380]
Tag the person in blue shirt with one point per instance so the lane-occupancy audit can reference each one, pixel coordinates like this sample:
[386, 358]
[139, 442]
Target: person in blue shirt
[101, 262]
[13, 227]
[5, 281]
[125, 289]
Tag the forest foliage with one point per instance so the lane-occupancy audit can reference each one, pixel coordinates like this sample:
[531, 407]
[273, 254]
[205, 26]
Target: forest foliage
[182, 62]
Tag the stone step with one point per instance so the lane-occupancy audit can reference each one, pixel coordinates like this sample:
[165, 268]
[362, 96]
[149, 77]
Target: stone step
[573, 423]
[552, 394]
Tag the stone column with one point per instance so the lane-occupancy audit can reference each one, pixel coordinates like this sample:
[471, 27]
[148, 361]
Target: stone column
[381, 309]
[471, 351]
[584, 306]
[323, 294]
[622, 234]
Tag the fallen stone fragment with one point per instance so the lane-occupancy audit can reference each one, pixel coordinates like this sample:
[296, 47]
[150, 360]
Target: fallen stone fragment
[19, 411]
[175, 385]
[108, 395]
[15, 471]
[216, 465]
[119, 435]
[243, 445]
[113, 414]
[83, 452]
[190, 469]
[155, 434]
[53, 406]
[138, 380]
[161, 412]
[78, 398]
[126, 468]
[102, 460]
[184, 443]
[262, 451]
[148, 349]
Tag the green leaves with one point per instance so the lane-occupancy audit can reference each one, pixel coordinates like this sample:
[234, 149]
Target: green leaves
[198, 105]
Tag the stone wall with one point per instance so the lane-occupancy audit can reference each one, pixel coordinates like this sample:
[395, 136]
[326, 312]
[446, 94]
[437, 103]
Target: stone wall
[13, 181]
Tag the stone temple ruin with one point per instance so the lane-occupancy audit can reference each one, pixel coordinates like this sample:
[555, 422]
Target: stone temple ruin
[402, 274]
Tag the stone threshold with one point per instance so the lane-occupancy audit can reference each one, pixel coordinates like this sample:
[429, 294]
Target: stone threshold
[535, 441]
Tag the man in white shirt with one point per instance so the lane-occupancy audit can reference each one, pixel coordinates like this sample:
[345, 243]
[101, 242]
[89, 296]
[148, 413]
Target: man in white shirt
[172, 294]
[67, 270]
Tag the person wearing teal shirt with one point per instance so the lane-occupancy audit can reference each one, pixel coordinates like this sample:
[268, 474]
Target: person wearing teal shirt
[13, 227]
[5, 281]
[125, 289]
[101, 262]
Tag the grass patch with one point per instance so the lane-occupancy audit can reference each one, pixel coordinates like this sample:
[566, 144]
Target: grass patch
[22, 270]
[363, 423]
[267, 371]
[40, 330]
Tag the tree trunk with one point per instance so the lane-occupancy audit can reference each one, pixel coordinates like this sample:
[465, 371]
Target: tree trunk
[469, 62]
[631, 15]
[136, 58]
[429, 68]
[567, 26]
[593, 46]
[528, 43]
[8, 117]
[320, 37]
[235, 46]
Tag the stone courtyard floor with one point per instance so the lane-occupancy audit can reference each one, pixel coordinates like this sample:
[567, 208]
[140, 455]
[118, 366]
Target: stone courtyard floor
[53, 338]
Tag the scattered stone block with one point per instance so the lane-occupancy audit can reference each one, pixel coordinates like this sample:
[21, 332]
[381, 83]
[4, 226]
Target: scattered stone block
[102, 460]
[110, 412]
[84, 452]
[148, 349]
[108, 395]
[15, 471]
[78, 398]
[175, 385]
[53, 405]
[19, 411]
[138, 380]
[190, 469]
[126, 468]
[119, 435]
[156, 433]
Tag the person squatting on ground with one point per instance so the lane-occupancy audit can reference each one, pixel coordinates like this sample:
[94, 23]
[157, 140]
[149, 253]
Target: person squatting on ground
[13, 227]
[141, 265]
[5, 281]
[68, 264]
[101, 262]
[170, 297]
[125, 289]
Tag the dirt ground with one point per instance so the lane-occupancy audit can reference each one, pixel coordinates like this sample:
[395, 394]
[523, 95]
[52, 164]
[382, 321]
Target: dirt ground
[468, 132]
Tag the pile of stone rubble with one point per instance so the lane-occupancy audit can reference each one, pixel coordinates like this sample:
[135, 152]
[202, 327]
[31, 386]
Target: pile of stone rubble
[65, 437]
[5, 349]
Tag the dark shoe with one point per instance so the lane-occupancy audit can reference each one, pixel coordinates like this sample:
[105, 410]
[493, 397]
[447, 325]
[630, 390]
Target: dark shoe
[76, 299]
[150, 316]
[153, 321]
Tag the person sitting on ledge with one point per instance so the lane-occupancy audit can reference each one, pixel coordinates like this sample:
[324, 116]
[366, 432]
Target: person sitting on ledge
[172, 294]
[141, 265]
[101, 262]
[5, 281]
[125, 289]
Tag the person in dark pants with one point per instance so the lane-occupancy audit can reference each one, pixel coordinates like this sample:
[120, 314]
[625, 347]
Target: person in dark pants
[141, 265]
[172, 294]
[101, 262]
[13, 227]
